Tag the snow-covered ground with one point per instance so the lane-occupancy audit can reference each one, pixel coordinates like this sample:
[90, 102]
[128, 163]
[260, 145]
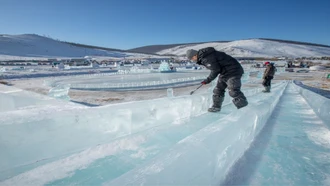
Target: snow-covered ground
[102, 97]
[327, 62]
[255, 48]
[30, 46]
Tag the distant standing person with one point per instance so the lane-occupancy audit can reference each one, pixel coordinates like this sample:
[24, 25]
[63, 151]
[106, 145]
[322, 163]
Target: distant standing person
[230, 73]
[268, 76]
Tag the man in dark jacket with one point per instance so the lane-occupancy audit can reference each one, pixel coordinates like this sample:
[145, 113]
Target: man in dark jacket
[268, 76]
[229, 71]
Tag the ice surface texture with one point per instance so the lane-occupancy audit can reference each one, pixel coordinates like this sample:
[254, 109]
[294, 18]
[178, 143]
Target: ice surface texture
[205, 157]
[60, 92]
[320, 104]
[12, 99]
[51, 143]
[292, 149]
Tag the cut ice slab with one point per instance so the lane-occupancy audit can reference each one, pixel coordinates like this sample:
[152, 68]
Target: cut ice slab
[292, 149]
[94, 165]
[205, 157]
[60, 92]
[14, 99]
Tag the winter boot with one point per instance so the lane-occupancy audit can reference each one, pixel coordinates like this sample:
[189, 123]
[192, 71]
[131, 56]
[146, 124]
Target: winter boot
[267, 89]
[214, 109]
[217, 102]
[240, 102]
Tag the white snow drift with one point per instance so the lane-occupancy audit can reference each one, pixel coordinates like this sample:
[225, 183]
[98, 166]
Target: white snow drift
[29, 46]
[254, 48]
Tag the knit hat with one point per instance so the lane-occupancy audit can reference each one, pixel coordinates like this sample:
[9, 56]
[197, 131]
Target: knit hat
[190, 53]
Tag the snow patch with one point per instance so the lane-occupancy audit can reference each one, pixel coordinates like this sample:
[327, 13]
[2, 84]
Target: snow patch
[254, 48]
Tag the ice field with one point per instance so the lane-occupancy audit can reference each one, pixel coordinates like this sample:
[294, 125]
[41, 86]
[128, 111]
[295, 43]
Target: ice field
[132, 81]
[280, 138]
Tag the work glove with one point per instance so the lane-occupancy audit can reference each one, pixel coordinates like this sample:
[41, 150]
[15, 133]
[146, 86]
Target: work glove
[204, 82]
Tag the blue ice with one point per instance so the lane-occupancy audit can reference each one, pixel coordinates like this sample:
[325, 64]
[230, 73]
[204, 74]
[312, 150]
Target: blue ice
[281, 138]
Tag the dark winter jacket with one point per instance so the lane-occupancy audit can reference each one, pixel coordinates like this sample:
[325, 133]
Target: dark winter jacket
[269, 71]
[219, 63]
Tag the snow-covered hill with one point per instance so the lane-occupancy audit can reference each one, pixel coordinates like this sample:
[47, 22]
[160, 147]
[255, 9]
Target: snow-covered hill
[255, 48]
[31, 45]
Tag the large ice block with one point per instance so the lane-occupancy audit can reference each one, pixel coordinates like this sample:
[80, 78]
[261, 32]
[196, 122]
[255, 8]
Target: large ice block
[206, 157]
[60, 92]
[292, 149]
[320, 104]
[12, 98]
[44, 132]
[47, 142]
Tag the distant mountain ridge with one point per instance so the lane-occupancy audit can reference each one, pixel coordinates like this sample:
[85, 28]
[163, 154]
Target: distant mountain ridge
[33, 45]
[157, 48]
[296, 42]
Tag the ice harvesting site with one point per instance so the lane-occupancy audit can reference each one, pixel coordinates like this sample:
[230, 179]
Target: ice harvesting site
[280, 138]
[74, 114]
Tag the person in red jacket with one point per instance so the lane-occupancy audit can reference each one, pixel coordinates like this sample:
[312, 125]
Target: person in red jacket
[268, 76]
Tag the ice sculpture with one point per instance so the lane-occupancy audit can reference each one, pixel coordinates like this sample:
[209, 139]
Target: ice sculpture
[134, 68]
[67, 67]
[60, 92]
[2, 69]
[170, 92]
[95, 65]
[165, 67]
[61, 66]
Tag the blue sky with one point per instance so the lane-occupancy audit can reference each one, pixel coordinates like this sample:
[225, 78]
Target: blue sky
[126, 24]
